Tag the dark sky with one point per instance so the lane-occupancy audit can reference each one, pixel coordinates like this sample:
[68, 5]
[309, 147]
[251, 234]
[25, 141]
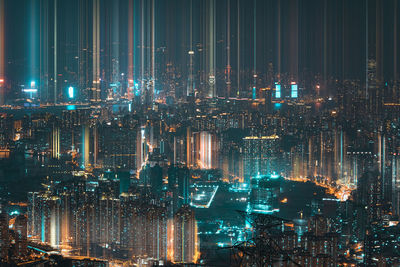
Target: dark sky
[296, 36]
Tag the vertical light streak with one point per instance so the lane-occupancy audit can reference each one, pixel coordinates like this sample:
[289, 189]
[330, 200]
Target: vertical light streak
[366, 49]
[56, 142]
[254, 93]
[174, 150]
[279, 41]
[228, 51]
[130, 44]
[95, 145]
[341, 155]
[343, 38]
[205, 150]
[255, 40]
[142, 42]
[325, 40]
[83, 48]
[294, 46]
[209, 151]
[395, 42]
[211, 49]
[382, 159]
[96, 51]
[153, 65]
[188, 147]
[196, 244]
[171, 240]
[115, 43]
[238, 49]
[321, 158]
[2, 53]
[190, 86]
[55, 52]
[378, 39]
[85, 146]
[32, 47]
[394, 187]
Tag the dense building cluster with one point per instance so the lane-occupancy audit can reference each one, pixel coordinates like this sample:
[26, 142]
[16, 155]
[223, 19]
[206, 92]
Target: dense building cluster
[111, 218]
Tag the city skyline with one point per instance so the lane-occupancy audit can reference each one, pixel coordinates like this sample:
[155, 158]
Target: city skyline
[140, 39]
[199, 133]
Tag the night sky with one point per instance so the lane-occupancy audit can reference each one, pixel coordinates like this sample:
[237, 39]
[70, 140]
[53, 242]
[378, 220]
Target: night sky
[299, 37]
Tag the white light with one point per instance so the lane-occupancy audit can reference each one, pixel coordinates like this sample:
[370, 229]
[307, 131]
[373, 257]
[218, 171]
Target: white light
[31, 90]
[71, 92]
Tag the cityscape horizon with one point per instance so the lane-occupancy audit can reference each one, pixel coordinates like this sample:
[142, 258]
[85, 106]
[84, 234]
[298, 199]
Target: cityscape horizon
[199, 133]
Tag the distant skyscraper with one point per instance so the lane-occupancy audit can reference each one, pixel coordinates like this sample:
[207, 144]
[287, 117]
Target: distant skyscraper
[55, 142]
[278, 91]
[21, 242]
[178, 183]
[150, 232]
[259, 156]
[185, 236]
[294, 90]
[4, 237]
[109, 220]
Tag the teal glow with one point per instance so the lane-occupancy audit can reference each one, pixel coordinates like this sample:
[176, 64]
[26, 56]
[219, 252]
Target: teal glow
[71, 92]
[71, 107]
[277, 91]
[15, 212]
[294, 92]
[43, 233]
[274, 176]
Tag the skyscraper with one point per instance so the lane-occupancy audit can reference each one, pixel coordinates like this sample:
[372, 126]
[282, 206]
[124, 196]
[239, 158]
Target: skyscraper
[21, 242]
[55, 142]
[185, 236]
[259, 156]
[4, 237]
